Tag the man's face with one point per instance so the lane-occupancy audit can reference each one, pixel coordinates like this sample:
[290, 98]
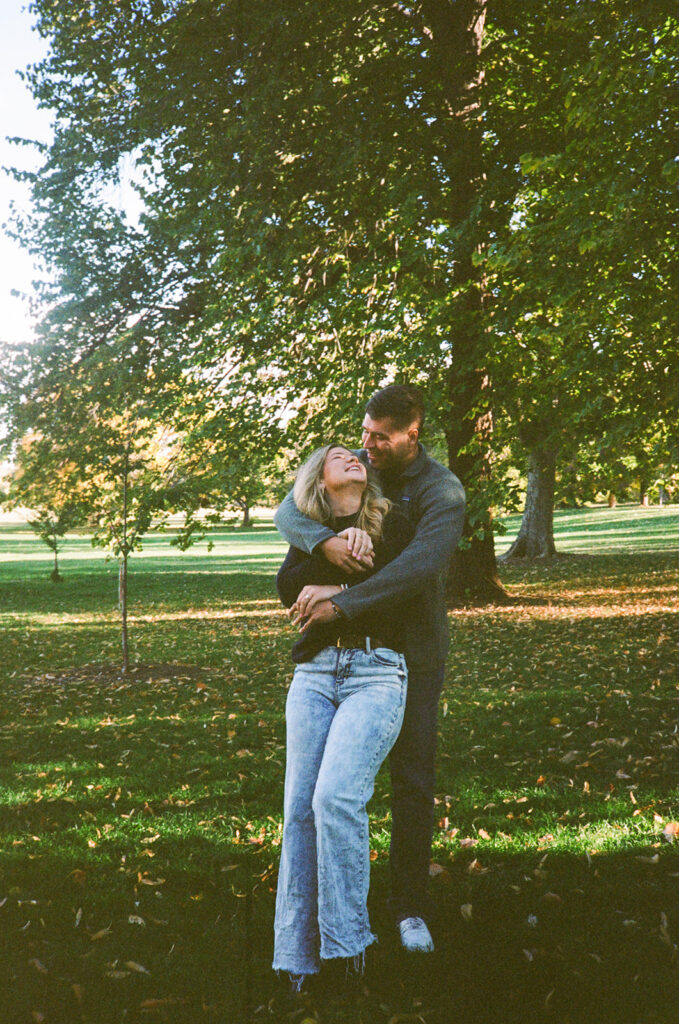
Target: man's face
[388, 447]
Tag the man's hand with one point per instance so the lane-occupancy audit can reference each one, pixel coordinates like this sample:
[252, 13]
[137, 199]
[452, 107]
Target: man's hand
[324, 611]
[309, 597]
[359, 543]
[337, 551]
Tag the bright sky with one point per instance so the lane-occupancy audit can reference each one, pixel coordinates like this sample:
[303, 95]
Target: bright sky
[19, 46]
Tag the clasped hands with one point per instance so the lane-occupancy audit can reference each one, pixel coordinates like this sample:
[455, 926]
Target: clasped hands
[352, 551]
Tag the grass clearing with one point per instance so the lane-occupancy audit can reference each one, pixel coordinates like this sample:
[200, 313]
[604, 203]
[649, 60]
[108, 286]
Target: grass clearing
[140, 818]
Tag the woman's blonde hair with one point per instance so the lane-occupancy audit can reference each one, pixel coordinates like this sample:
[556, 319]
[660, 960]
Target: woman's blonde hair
[311, 498]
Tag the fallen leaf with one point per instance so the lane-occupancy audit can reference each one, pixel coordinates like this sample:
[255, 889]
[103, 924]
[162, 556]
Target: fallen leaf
[136, 967]
[670, 831]
[466, 911]
[439, 872]
[483, 834]
[476, 868]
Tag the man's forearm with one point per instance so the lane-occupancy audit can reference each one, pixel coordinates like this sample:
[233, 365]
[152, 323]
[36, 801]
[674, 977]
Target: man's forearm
[300, 531]
[414, 569]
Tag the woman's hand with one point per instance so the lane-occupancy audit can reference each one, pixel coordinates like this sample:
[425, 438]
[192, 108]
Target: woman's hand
[309, 597]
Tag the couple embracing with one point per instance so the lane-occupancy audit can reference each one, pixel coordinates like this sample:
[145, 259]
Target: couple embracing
[371, 535]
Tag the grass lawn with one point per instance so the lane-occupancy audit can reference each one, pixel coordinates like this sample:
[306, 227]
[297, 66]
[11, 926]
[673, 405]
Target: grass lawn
[140, 818]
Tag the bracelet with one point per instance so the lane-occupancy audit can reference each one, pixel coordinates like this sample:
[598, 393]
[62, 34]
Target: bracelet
[336, 610]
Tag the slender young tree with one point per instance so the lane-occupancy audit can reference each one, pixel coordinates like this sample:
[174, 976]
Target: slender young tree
[46, 485]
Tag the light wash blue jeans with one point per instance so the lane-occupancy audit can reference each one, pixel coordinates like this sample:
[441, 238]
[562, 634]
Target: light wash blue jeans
[344, 712]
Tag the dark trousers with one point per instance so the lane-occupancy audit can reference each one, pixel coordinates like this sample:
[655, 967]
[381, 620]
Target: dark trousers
[412, 801]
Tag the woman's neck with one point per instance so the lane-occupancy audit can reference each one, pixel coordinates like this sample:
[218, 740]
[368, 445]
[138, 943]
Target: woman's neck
[344, 502]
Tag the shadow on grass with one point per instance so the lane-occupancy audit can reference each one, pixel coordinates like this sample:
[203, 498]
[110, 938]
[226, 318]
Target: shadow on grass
[563, 939]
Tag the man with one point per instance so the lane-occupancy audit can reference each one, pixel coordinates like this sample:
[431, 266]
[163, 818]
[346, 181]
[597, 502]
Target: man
[433, 499]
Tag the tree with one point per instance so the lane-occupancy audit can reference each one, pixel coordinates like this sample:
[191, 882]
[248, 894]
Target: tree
[322, 199]
[334, 192]
[230, 451]
[589, 258]
[96, 429]
[45, 483]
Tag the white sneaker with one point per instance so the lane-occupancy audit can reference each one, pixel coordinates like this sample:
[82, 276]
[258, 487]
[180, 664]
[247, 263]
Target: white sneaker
[415, 936]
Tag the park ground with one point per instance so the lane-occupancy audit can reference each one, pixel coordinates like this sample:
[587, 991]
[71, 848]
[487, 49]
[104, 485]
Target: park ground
[140, 817]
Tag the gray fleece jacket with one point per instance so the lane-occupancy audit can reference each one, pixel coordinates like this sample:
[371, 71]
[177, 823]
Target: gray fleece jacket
[433, 499]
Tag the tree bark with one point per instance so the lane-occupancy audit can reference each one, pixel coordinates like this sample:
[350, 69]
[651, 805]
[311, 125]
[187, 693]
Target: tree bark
[455, 30]
[643, 491]
[55, 575]
[122, 593]
[122, 571]
[536, 533]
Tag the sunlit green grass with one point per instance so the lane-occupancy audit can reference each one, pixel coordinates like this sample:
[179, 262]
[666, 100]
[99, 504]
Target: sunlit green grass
[157, 798]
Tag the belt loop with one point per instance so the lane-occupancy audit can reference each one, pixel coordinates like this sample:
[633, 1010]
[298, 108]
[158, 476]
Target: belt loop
[367, 645]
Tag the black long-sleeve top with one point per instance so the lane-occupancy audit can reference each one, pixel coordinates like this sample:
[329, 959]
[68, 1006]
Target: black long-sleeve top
[387, 621]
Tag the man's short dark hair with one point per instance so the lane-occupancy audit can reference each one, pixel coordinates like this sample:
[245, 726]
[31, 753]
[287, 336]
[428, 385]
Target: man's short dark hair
[403, 404]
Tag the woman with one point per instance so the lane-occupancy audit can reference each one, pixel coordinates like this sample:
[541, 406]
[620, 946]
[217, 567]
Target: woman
[343, 714]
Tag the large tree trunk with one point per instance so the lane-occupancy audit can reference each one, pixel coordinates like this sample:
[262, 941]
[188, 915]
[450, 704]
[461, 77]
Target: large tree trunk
[473, 570]
[536, 534]
[455, 30]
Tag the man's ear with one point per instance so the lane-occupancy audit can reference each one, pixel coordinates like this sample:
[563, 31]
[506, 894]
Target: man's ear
[414, 434]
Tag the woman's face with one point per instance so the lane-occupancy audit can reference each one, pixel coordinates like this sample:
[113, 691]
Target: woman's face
[341, 468]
